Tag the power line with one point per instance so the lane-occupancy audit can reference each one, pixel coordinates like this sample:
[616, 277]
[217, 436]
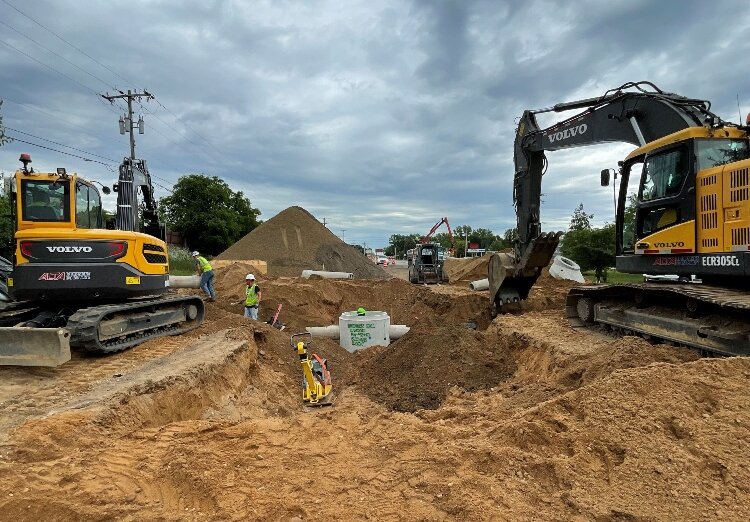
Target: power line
[175, 131]
[56, 54]
[98, 79]
[50, 67]
[168, 125]
[64, 40]
[47, 66]
[190, 127]
[110, 107]
[60, 151]
[61, 144]
[46, 113]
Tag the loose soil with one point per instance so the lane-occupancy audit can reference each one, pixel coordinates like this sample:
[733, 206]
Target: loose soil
[293, 241]
[463, 418]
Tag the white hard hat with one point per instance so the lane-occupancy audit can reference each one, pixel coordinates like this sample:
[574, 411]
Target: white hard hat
[195, 253]
[250, 276]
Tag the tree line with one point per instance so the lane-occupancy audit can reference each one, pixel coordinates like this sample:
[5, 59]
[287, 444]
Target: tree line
[464, 235]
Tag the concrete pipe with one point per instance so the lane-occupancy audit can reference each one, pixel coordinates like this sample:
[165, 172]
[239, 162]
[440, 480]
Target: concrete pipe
[481, 284]
[395, 331]
[329, 332]
[192, 281]
[564, 268]
[306, 274]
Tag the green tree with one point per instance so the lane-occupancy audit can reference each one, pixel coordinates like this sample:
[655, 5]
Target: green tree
[3, 138]
[498, 244]
[462, 231]
[580, 220]
[628, 234]
[483, 236]
[443, 239]
[591, 248]
[6, 225]
[510, 237]
[209, 214]
[398, 244]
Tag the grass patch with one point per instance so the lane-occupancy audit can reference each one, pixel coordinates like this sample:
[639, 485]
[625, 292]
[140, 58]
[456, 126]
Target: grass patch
[180, 261]
[614, 277]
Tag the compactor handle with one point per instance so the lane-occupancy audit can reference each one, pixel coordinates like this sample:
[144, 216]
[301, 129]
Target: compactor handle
[306, 335]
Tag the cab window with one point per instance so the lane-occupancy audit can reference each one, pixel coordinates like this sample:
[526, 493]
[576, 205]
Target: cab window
[664, 174]
[718, 151]
[45, 200]
[88, 207]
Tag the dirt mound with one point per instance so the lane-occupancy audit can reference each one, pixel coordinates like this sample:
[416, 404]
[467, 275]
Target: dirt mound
[466, 269]
[293, 241]
[417, 371]
[307, 302]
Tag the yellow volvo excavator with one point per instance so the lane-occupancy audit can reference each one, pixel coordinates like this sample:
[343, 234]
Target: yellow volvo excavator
[690, 173]
[77, 282]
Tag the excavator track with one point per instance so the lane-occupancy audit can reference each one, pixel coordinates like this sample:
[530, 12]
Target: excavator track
[711, 319]
[112, 328]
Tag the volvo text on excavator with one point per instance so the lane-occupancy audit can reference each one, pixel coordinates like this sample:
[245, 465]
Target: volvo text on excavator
[77, 283]
[691, 176]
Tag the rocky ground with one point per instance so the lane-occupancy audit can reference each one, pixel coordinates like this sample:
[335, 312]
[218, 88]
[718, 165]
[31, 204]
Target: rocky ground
[521, 418]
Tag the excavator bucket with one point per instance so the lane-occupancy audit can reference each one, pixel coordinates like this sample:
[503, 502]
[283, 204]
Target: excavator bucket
[511, 278]
[22, 346]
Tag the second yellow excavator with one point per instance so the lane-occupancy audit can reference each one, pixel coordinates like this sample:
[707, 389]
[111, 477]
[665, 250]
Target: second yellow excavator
[690, 177]
[78, 282]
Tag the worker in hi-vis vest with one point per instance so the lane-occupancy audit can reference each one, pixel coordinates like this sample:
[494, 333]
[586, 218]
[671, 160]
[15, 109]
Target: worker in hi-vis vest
[252, 297]
[206, 272]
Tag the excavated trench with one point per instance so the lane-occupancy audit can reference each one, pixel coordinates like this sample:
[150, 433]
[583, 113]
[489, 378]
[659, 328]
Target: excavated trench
[247, 372]
[448, 422]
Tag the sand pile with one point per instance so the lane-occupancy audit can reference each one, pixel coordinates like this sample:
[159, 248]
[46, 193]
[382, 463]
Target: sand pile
[466, 269]
[320, 302]
[293, 241]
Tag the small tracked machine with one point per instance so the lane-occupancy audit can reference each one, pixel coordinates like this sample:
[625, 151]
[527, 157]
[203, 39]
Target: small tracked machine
[316, 380]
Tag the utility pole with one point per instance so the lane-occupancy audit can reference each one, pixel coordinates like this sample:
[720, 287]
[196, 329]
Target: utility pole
[324, 221]
[126, 121]
[342, 235]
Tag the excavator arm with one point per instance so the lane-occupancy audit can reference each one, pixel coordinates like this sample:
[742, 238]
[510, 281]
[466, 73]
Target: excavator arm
[635, 113]
[135, 178]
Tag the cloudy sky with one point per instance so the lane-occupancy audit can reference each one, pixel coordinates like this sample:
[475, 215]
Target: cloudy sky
[380, 117]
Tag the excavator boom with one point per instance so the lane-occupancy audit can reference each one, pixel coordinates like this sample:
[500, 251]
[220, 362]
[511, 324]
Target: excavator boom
[636, 113]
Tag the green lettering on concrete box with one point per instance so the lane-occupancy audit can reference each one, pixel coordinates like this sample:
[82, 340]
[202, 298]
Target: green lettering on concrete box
[359, 333]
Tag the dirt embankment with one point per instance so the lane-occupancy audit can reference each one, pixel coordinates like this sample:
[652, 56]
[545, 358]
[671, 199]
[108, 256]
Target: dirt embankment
[520, 419]
[293, 241]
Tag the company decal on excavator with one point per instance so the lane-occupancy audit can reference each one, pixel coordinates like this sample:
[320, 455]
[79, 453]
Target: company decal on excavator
[64, 276]
[677, 261]
[718, 260]
[568, 133]
[132, 280]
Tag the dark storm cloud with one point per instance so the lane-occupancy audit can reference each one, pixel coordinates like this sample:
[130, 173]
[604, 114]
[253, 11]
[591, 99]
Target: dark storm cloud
[381, 117]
